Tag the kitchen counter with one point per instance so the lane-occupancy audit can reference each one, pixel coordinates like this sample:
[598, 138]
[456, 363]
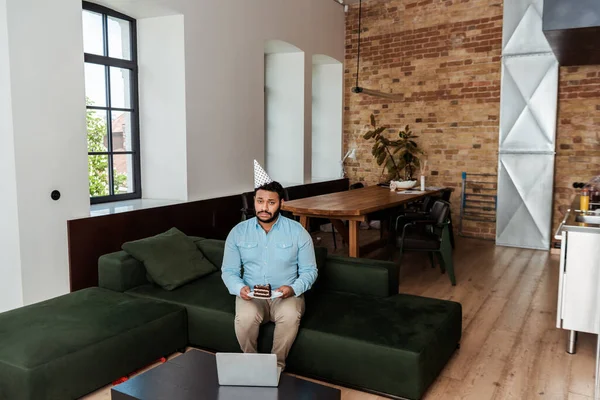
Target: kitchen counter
[572, 223]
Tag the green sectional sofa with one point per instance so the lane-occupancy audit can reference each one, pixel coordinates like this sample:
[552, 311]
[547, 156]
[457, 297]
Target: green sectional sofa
[357, 330]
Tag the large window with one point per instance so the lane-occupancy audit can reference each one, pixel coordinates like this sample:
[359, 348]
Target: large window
[109, 41]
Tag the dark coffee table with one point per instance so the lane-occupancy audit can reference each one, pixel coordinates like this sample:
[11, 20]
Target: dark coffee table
[193, 375]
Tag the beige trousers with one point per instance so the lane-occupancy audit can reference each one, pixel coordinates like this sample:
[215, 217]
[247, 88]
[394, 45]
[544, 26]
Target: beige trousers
[285, 313]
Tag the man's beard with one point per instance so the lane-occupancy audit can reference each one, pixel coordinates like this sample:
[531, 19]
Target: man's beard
[271, 219]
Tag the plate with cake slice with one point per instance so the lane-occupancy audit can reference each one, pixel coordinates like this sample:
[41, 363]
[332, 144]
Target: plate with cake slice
[264, 292]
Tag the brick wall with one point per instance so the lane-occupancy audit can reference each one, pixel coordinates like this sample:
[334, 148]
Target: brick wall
[578, 134]
[443, 58]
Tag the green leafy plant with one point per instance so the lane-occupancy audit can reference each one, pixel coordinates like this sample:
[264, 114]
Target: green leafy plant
[98, 164]
[398, 156]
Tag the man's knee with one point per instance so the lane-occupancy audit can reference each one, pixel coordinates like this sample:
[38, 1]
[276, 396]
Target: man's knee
[248, 318]
[291, 314]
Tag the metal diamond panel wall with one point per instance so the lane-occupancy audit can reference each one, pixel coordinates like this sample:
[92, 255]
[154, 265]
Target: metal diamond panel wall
[528, 104]
[525, 200]
[522, 28]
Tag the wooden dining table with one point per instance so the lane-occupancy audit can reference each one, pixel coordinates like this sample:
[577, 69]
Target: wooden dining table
[353, 206]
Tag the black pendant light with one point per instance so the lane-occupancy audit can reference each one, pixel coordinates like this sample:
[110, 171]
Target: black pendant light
[357, 88]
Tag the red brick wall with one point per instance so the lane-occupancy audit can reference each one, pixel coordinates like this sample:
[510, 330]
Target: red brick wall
[443, 58]
[578, 134]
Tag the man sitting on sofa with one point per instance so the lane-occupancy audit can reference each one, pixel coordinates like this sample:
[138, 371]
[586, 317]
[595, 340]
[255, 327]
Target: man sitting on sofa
[273, 250]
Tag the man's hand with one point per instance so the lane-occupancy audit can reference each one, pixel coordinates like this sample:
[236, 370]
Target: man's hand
[287, 291]
[244, 293]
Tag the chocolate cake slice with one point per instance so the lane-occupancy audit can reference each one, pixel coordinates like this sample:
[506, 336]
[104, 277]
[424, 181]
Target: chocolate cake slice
[262, 291]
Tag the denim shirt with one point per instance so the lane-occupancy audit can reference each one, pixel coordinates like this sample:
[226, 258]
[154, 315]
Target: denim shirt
[284, 256]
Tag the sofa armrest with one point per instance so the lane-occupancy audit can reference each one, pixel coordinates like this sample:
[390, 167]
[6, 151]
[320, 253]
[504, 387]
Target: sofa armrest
[360, 276]
[120, 272]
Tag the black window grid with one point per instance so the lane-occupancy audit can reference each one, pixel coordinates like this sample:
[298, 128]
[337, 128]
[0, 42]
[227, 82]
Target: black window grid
[130, 65]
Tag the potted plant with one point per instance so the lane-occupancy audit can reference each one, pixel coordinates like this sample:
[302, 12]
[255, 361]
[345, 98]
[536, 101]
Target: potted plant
[399, 156]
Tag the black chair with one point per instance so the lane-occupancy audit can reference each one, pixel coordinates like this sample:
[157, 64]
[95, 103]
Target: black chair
[248, 206]
[421, 211]
[429, 235]
[286, 197]
[446, 197]
[418, 209]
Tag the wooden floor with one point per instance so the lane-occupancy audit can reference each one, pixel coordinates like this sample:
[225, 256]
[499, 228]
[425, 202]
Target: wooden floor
[510, 347]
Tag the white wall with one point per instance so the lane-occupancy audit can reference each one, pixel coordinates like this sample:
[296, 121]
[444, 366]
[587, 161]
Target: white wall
[161, 64]
[327, 94]
[284, 94]
[48, 110]
[11, 290]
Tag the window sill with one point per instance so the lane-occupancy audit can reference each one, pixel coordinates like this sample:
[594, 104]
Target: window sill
[117, 207]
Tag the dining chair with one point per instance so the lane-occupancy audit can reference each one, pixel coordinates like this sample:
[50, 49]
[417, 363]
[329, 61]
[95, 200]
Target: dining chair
[446, 194]
[430, 235]
[247, 205]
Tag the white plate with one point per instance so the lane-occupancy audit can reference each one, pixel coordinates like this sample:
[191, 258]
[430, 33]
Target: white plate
[405, 184]
[274, 295]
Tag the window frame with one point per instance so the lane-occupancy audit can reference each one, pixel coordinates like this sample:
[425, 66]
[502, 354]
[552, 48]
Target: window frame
[132, 66]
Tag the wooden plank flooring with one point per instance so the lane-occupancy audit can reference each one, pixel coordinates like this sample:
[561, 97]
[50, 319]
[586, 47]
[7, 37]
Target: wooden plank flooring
[510, 347]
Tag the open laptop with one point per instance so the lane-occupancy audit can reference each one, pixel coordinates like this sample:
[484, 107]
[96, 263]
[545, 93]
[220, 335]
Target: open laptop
[240, 369]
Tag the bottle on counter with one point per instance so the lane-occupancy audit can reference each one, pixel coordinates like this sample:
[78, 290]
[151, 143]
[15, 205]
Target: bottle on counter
[595, 191]
[595, 195]
[584, 199]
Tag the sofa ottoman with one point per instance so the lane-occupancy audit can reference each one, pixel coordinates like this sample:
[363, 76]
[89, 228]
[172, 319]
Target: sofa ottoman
[66, 347]
[396, 345]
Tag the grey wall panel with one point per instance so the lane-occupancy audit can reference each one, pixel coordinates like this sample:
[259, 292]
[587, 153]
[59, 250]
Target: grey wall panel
[524, 204]
[522, 27]
[528, 102]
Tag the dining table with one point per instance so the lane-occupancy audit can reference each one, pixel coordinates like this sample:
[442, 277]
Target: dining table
[354, 206]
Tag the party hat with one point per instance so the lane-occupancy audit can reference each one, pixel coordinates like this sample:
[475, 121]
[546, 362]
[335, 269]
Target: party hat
[260, 176]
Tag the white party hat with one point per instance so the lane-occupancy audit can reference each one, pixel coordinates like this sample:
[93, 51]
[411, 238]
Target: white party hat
[260, 176]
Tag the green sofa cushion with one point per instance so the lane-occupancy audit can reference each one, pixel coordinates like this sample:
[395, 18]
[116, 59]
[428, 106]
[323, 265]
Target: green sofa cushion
[119, 271]
[210, 310]
[171, 258]
[209, 292]
[213, 250]
[71, 345]
[365, 277]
